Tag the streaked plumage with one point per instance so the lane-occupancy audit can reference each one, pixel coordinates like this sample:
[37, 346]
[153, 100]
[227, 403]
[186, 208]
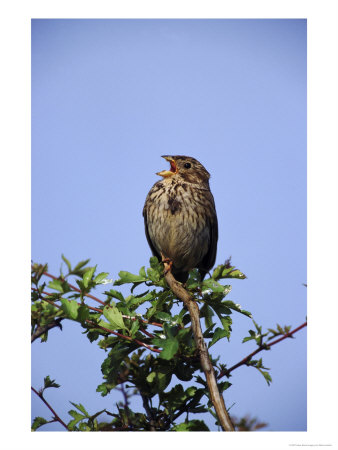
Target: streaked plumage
[180, 217]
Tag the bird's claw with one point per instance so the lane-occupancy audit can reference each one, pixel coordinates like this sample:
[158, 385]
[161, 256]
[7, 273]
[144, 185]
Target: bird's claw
[167, 262]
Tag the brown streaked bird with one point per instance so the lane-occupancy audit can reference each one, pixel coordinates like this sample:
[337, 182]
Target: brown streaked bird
[180, 217]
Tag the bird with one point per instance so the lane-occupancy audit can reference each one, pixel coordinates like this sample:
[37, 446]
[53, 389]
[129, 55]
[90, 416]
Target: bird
[180, 218]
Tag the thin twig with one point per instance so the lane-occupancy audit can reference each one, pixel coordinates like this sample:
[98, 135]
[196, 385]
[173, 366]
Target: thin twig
[265, 346]
[216, 398]
[56, 417]
[148, 411]
[75, 288]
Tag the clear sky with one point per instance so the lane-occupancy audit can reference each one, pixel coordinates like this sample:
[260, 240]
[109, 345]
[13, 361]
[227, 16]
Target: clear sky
[109, 97]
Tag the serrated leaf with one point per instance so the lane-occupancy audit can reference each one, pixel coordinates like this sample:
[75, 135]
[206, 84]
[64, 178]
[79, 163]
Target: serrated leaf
[48, 383]
[115, 294]
[70, 308]
[208, 333]
[100, 277]
[207, 313]
[227, 322]
[236, 307]
[153, 275]
[38, 422]
[154, 263]
[82, 313]
[170, 347]
[113, 315]
[134, 327]
[80, 408]
[77, 418]
[218, 334]
[56, 284]
[87, 276]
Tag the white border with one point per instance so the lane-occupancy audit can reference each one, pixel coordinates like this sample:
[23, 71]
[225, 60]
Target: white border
[322, 215]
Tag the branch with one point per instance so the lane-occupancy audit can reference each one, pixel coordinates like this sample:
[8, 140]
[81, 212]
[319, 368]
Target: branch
[264, 346]
[191, 305]
[148, 411]
[75, 288]
[41, 330]
[94, 325]
[56, 417]
[50, 294]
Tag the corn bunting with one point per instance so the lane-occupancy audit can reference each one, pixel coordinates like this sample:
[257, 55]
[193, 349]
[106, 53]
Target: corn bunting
[180, 218]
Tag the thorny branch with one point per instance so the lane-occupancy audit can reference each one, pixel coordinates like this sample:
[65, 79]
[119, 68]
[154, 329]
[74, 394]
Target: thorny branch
[265, 346]
[55, 416]
[39, 331]
[216, 398]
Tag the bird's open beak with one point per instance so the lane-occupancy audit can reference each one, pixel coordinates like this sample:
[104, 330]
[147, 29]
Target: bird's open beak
[173, 167]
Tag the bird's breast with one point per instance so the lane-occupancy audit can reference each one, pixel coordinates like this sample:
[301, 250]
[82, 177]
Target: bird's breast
[179, 229]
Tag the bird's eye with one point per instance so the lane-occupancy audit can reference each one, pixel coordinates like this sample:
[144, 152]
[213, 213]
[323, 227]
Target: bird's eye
[187, 165]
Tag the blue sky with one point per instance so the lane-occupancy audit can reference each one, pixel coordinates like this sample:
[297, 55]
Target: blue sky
[108, 98]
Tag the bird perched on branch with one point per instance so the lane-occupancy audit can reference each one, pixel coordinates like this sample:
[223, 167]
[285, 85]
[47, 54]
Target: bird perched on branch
[180, 218]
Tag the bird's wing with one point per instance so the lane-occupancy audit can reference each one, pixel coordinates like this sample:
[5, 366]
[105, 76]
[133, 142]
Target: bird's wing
[151, 245]
[209, 259]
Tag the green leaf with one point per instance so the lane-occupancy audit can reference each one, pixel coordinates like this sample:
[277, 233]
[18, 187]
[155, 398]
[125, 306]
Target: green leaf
[236, 307]
[48, 383]
[127, 277]
[214, 286]
[163, 316]
[134, 327]
[115, 294]
[56, 284]
[87, 276]
[83, 313]
[192, 425]
[280, 329]
[266, 375]
[81, 408]
[80, 265]
[226, 322]
[218, 334]
[170, 347]
[38, 422]
[208, 333]
[67, 262]
[100, 277]
[153, 275]
[154, 263]
[236, 274]
[207, 313]
[142, 272]
[225, 271]
[114, 316]
[70, 308]
[77, 418]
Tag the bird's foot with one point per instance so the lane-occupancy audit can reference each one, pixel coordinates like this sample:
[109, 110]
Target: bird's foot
[168, 263]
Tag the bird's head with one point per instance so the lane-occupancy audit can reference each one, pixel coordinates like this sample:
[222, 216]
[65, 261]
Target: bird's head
[186, 168]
